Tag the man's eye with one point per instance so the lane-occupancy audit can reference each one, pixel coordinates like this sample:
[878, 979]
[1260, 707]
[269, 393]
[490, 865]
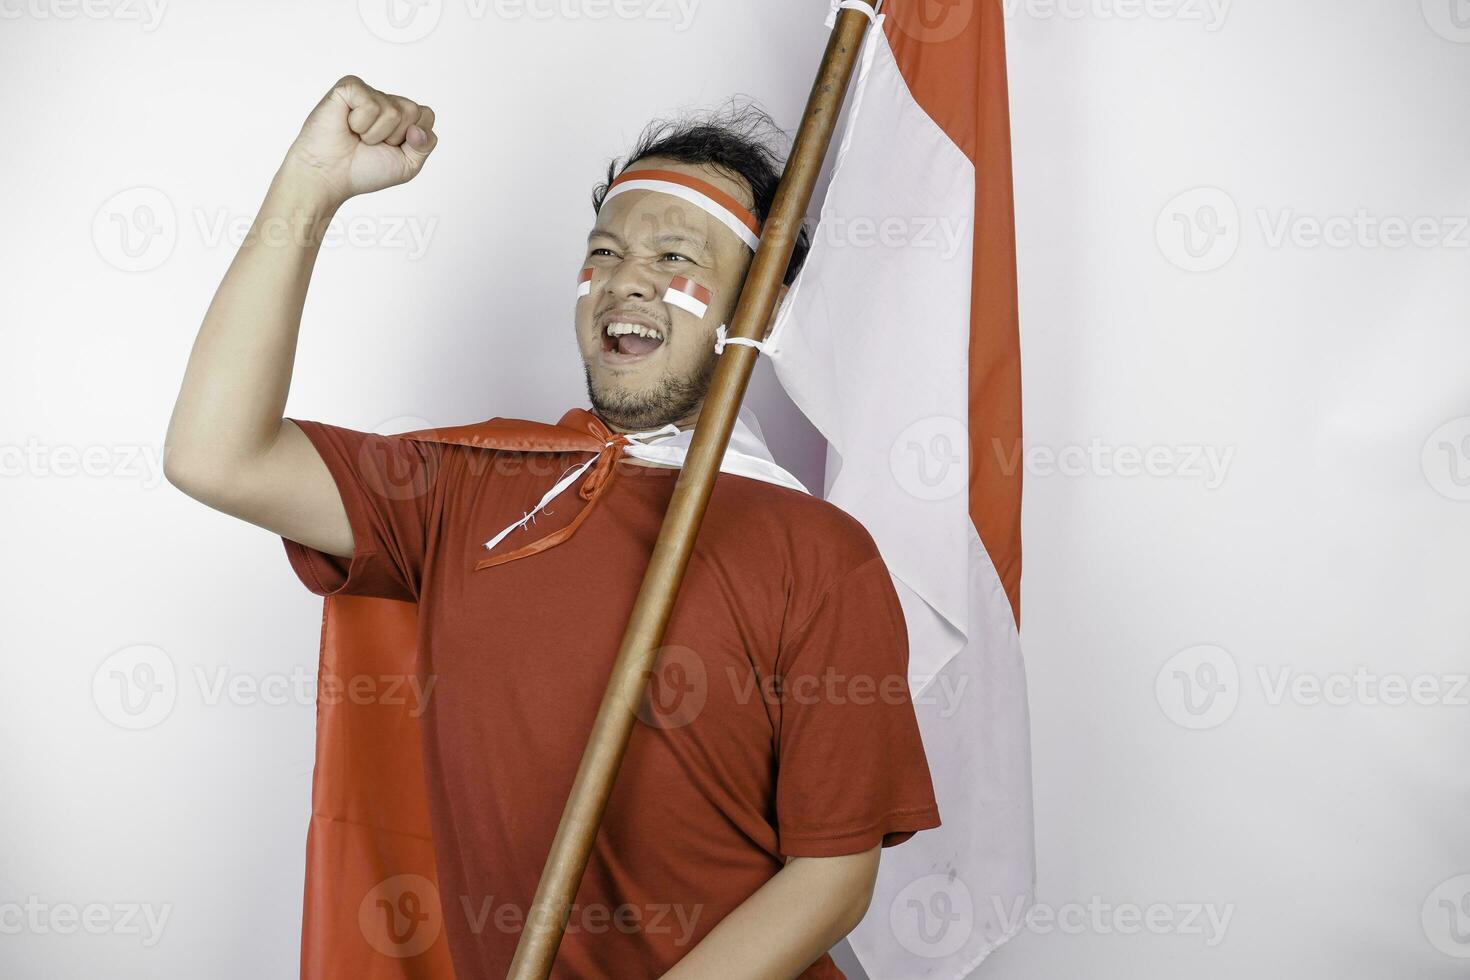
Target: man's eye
[677, 256]
[600, 249]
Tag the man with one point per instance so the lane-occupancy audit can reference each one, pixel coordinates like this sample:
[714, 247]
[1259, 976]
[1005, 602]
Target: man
[749, 827]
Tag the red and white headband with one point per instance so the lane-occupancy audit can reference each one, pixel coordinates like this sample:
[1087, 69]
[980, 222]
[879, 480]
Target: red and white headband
[702, 194]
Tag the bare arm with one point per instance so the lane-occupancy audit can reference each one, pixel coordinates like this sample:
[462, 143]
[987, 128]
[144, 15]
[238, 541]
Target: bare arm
[228, 445]
[790, 921]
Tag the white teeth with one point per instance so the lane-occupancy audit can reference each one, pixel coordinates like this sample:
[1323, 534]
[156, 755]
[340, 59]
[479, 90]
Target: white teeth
[618, 328]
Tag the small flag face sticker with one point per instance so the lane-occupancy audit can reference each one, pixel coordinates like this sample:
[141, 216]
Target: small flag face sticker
[688, 295]
[584, 282]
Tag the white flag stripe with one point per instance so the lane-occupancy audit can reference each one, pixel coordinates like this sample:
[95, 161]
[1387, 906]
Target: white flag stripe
[684, 301]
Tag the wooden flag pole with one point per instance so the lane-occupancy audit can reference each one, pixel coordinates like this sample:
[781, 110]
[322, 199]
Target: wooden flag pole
[562, 875]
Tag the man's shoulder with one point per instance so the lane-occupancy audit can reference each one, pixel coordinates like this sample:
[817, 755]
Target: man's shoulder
[817, 532]
[813, 554]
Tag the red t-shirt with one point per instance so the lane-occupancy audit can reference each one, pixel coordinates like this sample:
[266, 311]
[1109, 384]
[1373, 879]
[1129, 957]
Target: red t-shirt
[778, 721]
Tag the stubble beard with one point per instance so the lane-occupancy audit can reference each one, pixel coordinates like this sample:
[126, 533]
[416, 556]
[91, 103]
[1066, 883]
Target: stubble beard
[673, 398]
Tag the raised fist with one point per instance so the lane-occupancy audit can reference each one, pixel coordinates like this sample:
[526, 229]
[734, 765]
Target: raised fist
[358, 140]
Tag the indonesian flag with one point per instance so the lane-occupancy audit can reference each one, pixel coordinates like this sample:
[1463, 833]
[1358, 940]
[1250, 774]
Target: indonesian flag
[899, 341]
[688, 295]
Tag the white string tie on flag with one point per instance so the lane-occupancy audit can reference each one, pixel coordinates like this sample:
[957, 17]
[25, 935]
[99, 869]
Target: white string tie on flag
[722, 338]
[869, 11]
[571, 476]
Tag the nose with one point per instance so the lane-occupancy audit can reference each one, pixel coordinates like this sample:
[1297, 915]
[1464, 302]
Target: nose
[632, 279]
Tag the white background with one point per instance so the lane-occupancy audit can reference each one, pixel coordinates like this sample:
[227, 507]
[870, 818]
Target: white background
[1330, 381]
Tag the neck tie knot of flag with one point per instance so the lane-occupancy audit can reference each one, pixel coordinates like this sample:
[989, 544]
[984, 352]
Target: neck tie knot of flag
[600, 469]
[603, 467]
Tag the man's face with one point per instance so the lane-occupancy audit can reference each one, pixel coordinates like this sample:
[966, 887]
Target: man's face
[641, 240]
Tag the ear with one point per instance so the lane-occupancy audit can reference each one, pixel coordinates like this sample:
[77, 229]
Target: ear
[780, 296]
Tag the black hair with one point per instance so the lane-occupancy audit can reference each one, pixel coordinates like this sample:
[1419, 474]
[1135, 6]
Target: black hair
[740, 139]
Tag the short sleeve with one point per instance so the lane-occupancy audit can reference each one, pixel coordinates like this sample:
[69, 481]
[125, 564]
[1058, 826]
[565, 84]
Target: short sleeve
[851, 770]
[387, 485]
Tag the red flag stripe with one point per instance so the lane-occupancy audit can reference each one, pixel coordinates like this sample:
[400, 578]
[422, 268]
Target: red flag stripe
[956, 69]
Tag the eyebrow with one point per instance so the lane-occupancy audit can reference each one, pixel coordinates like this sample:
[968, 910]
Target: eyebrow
[667, 238]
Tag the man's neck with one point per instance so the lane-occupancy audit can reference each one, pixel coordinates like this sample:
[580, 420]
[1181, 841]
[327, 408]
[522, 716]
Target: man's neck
[686, 422]
[683, 422]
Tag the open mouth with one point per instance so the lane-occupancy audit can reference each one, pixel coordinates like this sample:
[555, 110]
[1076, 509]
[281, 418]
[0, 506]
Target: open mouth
[626, 341]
